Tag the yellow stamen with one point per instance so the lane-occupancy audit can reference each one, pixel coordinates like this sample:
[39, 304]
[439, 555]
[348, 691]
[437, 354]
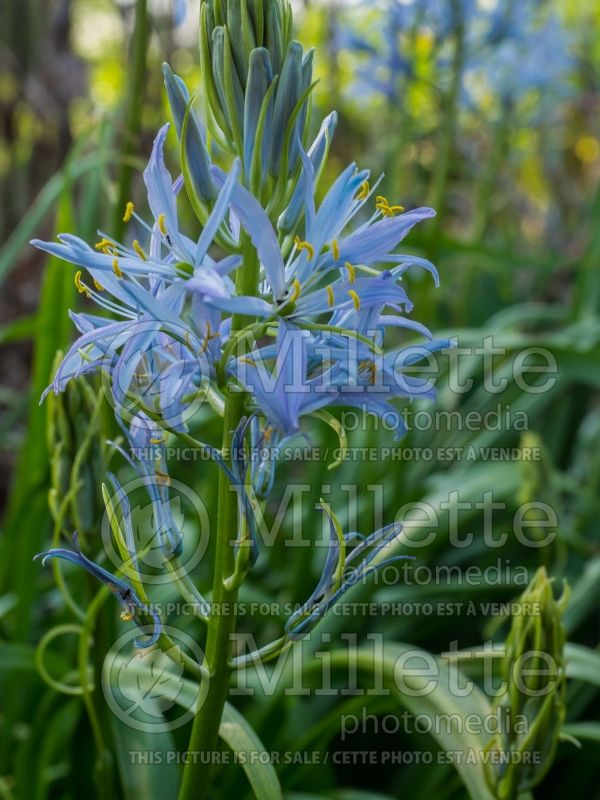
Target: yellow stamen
[297, 290]
[371, 368]
[103, 244]
[136, 246]
[98, 285]
[351, 271]
[248, 361]
[128, 212]
[81, 287]
[161, 224]
[330, 296]
[364, 190]
[335, 247]
[208, 337]
[386, 209]
[160, 440]
[355, 299]
[305, 246]
[163, 478]
[126, 616]
[116, 268]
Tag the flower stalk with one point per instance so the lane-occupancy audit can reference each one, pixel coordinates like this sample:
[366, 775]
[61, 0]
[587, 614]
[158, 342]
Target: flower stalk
[221, 627]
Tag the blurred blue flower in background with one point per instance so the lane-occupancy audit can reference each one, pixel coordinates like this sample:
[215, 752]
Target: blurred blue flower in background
[508, 48]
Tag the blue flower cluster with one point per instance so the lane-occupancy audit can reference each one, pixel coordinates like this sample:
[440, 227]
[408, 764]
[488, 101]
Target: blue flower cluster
[330, 293]
[508, 48]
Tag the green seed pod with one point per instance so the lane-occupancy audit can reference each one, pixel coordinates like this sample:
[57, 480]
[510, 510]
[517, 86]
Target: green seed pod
[533, 704]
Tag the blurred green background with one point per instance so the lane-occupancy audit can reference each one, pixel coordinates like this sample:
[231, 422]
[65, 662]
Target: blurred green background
[495, 124]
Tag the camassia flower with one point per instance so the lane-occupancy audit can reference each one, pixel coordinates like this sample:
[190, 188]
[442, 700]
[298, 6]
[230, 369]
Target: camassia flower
[172, 284]
[148, 459]
[350, 558]
[304, 373]
[323, 268]
[133, 608]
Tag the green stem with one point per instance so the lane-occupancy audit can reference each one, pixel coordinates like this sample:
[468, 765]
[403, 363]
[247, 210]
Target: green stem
[485, 187]
[448, 126]
[221, 627]
[135, 91]
[103, 768]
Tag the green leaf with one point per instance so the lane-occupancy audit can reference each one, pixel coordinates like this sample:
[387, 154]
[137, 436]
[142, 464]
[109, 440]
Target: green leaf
[438, 701]
[583, 730]
[154, 775]
[47, 199]
[582, 663]
[18, 330]
[235, 730]
[241, 738]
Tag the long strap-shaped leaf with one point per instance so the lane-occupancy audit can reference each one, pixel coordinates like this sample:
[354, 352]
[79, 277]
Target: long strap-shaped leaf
[241, 738]
[235, 731]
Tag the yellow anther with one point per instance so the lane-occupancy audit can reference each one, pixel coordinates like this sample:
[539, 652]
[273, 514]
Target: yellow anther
[208, 337]
[116, 268]
[128, 212]
[351, 271]
[159, 440]
[161, 224]
[330, 296]
[335, 248]
[163, 478]
[103, 244]
[355, 299]
[297, 289]
[268, 434]
[81, 287]
[364, 190]
[136, 246]
[371, 368]
[98, 285]
[126, 616]
[248, 361]
[386, 209]
[305, 246]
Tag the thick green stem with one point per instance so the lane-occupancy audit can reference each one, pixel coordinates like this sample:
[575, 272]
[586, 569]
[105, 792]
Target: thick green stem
[221, 626]
[135, 91]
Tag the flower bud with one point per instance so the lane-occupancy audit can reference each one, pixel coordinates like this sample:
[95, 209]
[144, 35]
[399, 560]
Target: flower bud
[76, 456]
[533, 703]
[194, 153]
[256, 82]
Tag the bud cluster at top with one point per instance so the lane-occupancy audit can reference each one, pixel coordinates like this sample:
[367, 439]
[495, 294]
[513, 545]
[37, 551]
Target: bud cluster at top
[256, 82]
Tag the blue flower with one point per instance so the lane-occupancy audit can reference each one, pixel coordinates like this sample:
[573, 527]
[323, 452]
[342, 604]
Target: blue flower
[525, 51]
[132, 605]
[320, 270]
[149, 290]
[303, 373]
[148, 458]
[384, 40]
[344, 567]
